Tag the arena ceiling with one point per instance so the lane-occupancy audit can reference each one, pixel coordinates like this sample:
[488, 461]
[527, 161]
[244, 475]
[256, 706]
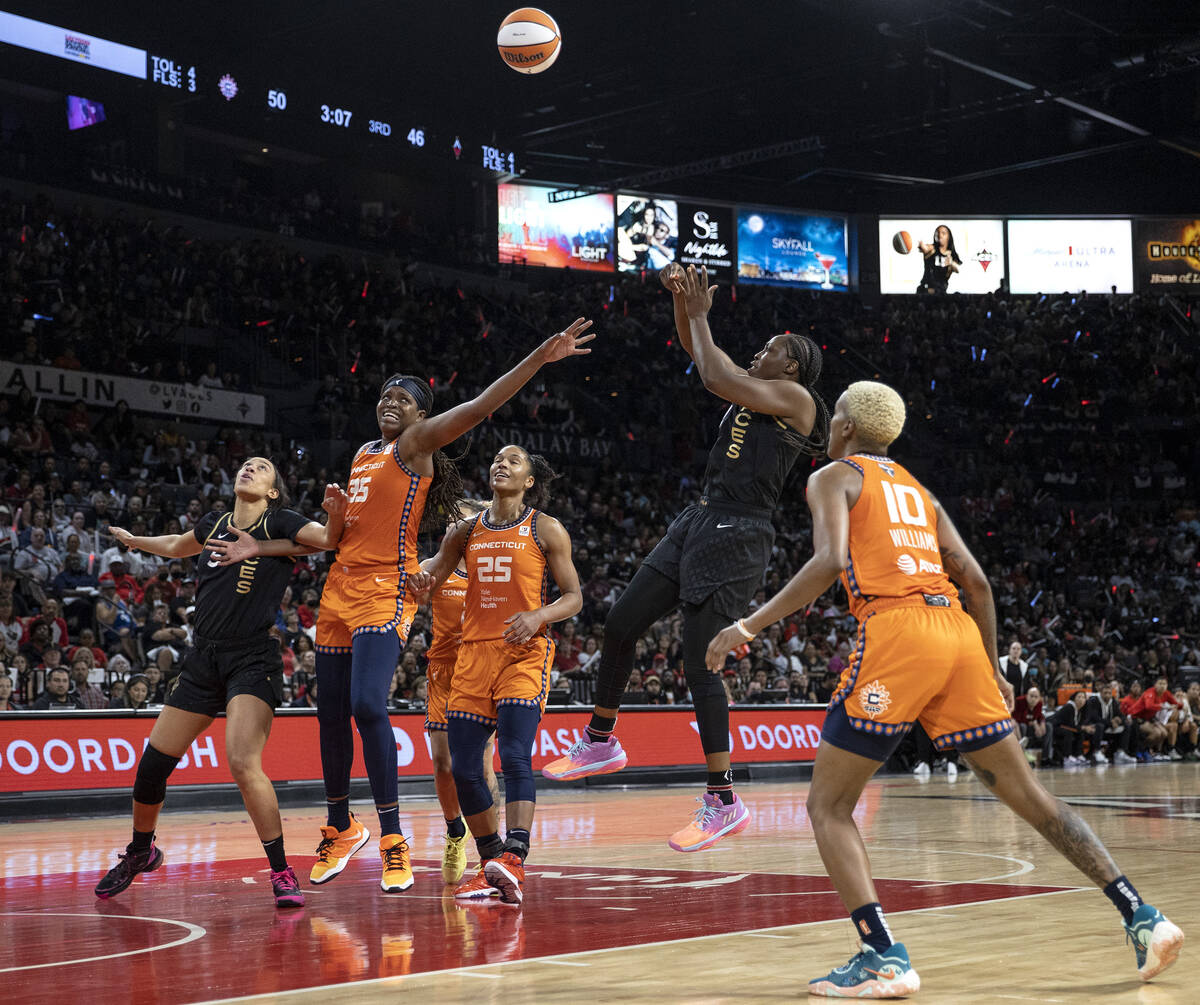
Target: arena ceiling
[897, 105]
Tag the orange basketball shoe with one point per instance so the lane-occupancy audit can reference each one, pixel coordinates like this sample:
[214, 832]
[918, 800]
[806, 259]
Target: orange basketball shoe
[397, 870]
[478, 887]
[506, 874]
[335, 849]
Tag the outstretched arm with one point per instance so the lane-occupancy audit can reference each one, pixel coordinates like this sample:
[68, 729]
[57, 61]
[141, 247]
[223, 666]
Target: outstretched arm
[311, 539]
[167, 545]
[557, 544]
[831, 493]
[725, 378]
[671, 276]
[423, 438]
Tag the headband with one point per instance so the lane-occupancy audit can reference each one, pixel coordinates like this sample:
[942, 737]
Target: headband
[420, 392]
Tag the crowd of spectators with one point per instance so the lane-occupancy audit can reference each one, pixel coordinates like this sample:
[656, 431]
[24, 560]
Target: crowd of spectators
[1059, 431]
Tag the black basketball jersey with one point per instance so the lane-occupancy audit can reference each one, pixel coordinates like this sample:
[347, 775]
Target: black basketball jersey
[751, 458]
[240, 600]
[937, 272]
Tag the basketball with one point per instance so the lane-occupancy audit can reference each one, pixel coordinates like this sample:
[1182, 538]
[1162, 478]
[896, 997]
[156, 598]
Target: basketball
[902, 241]
[529, 40]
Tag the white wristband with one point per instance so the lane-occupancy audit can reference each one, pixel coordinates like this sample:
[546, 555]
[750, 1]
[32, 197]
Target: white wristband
[746, 633]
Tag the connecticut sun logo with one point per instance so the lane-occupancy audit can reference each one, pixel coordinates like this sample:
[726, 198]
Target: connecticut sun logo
[874, 699]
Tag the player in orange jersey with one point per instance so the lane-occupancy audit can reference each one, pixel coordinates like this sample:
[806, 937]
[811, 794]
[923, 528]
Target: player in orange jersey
[446, 613]
[918, 658]
[502, 674]
[366, 606]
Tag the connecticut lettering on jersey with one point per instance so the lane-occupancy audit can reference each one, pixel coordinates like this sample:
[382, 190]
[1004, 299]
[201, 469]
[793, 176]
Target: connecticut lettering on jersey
[893, 537]
[446, 610]
[506, 573]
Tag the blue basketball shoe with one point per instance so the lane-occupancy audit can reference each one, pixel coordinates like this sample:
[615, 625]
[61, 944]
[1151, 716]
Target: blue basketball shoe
[1155, 940]
[870, 974]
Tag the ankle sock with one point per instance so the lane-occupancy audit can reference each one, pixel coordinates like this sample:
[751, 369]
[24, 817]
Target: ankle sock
[142, 840]
[337, 813]
[489, 846]
[720, 784]
[389, 821]
[599, 729]
[456, 828]
[517, 842]
[275, 855]
[872, 927]
[1124, 897]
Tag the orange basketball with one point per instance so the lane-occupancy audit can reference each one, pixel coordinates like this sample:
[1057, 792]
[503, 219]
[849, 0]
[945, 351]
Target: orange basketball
[529, 40]
[902, 241]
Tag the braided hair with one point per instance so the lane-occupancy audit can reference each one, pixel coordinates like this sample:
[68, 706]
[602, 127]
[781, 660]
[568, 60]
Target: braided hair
[807, 355]
[446, 489]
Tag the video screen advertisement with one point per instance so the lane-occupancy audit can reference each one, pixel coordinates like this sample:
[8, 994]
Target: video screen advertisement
[575, 234]
[706, 238]
[1068, 256]
[790, 249]
[918, 256]
[1166, 253]
[647, 232]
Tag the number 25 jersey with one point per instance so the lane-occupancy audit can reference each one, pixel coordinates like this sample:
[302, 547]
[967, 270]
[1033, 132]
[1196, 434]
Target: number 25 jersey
[894, 548]
[506, 574]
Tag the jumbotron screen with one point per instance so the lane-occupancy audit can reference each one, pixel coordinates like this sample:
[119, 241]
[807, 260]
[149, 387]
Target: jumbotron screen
[1068, 256]
[971, 252]
[574, 234]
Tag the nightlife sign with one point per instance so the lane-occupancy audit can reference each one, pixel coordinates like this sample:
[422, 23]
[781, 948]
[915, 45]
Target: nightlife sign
[1166, 252]
[706, 235]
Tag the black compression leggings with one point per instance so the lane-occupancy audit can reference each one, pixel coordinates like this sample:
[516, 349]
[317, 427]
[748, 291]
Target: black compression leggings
[651, 596]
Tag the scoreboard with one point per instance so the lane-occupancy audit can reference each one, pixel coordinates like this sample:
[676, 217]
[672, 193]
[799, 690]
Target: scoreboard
[239, 94]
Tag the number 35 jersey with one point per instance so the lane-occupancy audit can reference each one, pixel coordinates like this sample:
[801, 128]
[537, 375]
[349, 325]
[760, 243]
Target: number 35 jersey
[387, 501]
[894, 548]
[506, 574]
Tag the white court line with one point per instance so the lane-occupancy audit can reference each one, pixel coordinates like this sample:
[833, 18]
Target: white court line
[1025, 867]
[277, 995]
[765, 935]
[620, 896]
[486, 977]
[563, 963]
[194, 932]
[618, 908]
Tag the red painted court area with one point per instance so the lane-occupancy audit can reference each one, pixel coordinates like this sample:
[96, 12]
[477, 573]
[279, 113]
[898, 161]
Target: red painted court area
[190, 932]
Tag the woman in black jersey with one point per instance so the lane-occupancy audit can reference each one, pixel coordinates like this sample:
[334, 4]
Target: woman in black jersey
[234, 667]
[716, 551]
[941, 259]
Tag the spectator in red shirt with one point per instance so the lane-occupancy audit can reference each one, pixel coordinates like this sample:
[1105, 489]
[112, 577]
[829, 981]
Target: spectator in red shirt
[1030, 718]
[1150, 709]
[569, 646]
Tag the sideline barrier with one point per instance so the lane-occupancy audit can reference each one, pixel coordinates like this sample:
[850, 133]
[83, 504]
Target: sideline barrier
[82, 751]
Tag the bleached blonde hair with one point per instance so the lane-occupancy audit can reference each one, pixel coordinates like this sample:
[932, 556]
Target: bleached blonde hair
[877, 411]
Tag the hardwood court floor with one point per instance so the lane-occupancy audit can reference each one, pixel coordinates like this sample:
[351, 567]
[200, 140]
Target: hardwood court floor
[988, 912]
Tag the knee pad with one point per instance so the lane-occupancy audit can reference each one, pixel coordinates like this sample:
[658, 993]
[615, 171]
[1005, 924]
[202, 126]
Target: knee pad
[153, 770]
[517, 731]
[467, 742]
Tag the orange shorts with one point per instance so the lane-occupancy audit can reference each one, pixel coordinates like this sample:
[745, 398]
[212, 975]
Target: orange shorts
[362, 600]
[915, 663]
[438, 676]
[492, 673]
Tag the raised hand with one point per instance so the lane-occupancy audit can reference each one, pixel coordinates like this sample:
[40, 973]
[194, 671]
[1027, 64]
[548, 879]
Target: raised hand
[567, 343]
[226, 552]
[335, 500]
[697, 294]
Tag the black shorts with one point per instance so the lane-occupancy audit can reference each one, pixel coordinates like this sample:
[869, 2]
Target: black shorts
[717, 551]
[213, 674]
